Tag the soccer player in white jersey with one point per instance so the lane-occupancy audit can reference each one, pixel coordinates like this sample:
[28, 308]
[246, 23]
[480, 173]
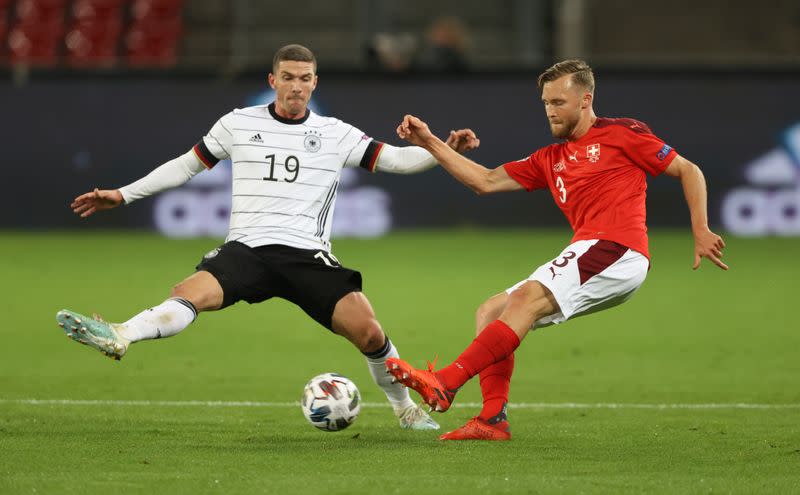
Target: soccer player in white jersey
[286, 164]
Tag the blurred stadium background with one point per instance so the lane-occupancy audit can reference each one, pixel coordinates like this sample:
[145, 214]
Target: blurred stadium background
[96, 93]
[100, 91]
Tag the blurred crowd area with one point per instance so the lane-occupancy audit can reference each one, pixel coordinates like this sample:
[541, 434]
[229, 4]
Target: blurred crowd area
[440, 36]
[91, 33]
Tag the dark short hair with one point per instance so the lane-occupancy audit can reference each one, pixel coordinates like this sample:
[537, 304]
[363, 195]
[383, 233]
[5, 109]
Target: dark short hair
[295, 53]
[580, 70]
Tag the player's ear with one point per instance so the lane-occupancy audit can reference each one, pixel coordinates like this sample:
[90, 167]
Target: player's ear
[586, 102]
[316, 79]
[271, 80]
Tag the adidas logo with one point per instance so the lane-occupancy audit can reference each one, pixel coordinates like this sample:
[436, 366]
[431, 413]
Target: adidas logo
[256, 138]
[768, 203]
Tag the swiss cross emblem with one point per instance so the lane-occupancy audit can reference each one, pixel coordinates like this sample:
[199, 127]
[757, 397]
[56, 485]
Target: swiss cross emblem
[593, 152]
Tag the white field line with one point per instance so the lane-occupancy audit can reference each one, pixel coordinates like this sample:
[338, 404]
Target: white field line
[517, 405]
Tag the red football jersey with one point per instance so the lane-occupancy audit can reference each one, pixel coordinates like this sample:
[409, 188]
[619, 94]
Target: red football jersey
[599, 180]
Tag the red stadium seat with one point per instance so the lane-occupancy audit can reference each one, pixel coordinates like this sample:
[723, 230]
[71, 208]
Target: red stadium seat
[36, 36]
[35, 44]
[94, 10]
[3, 32]
[156, 9]
[93, 39]
[40, 11]
[93, 43]
[153, 43]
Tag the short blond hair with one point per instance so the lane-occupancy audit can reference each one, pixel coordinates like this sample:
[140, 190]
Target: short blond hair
[580, 70]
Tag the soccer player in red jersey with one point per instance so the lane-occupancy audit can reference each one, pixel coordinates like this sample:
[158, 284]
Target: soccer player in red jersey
[597, 176]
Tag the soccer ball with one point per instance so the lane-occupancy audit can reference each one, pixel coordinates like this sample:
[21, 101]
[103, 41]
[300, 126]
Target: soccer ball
[331, 402]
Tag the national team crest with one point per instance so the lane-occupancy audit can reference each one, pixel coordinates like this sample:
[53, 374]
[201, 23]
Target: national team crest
[593, 152]
[312, 142]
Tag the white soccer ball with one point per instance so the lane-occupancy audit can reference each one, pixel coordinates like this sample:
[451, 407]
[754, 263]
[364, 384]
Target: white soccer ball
[331, 402]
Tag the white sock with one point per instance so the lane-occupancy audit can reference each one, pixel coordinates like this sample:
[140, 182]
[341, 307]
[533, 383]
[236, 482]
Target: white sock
[396, 393]
[165, 320]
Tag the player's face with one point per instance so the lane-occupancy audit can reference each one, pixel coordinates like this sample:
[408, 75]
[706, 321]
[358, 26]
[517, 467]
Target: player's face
[563, 103]
[293, 83]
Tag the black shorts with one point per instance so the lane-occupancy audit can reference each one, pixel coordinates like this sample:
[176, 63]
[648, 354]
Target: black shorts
[311, 279]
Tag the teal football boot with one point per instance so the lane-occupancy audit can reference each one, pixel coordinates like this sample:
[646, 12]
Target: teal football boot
[94, 332]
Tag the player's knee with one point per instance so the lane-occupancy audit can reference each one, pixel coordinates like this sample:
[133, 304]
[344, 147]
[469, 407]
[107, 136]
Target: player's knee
[530, 298]
[370, 338]
[484, 315]
[186, 291]
[522, 295]
[203, 298]
[178, 290]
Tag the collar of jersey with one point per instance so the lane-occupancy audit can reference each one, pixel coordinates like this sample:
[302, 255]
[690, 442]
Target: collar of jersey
[588, 135]
[283, 120]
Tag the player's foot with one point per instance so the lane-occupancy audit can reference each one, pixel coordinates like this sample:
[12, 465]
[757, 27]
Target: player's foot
[424, 382]
[415, 418]
[478, 429]
[93, 332]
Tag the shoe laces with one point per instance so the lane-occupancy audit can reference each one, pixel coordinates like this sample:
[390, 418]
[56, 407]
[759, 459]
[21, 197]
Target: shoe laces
[413, 414]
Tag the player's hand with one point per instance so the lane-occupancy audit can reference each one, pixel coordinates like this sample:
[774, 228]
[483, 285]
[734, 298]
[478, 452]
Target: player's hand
[708, 245]
[97, 200]
[463, 140]
[414, 130]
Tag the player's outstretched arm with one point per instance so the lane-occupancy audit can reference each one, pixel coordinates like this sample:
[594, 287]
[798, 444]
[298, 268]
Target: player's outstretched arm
[171, 174]
[707, 244]
[473, 175]
[414, 159]
[97, 200]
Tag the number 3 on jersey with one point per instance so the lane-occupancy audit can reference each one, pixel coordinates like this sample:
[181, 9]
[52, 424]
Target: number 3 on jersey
[562, 189]
[291, 164]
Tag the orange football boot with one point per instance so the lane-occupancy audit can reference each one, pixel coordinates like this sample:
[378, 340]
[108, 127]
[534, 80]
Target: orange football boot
[478, 429]
[424, 382]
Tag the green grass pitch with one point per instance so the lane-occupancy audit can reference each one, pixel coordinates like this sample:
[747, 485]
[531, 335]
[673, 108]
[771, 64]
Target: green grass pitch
[693, 386]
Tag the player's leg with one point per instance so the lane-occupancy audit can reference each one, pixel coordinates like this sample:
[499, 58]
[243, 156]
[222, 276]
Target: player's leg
[495, 380]
[490, 310]
[331, 295]
[198, 292]
[234, 263]
[498, 340]
[354, 319]
[201, 291]
[494, 343]
[587, 276]
[492, 422]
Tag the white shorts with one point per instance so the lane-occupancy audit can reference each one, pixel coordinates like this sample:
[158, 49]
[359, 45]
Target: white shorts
[589, 276]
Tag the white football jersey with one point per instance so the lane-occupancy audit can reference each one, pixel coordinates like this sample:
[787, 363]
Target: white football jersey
[285, 173]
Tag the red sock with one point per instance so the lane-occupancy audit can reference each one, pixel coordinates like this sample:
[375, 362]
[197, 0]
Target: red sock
[495, 343]
[495, 381]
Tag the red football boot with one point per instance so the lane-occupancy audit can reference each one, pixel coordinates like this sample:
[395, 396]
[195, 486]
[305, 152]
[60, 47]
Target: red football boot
[478, 429]
[424, 382]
